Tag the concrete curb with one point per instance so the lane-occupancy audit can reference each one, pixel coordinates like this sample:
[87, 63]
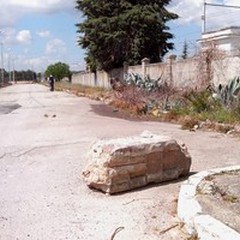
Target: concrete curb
[190, 212]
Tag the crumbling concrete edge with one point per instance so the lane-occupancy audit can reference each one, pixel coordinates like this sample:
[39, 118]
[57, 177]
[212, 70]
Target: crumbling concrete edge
[190, 212]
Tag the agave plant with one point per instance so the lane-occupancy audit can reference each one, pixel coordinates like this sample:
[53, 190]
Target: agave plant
[146, 83]
[230, 93]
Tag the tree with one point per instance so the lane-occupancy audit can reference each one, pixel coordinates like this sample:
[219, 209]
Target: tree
[185, 50]
[23, 75]
[58, 70]
[124, 30]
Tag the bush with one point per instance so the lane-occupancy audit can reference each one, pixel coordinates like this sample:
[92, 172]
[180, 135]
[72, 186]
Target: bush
[188, 122]
[202, 106]
[199, 101]
[132, 99]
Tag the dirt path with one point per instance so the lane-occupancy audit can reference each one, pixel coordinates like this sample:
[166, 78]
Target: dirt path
[43, 149]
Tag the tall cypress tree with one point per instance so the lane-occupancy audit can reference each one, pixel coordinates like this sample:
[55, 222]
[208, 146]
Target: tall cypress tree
[117, 31]
[185, 50]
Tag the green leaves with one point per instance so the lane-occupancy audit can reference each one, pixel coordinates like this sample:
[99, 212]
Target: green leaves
[58, 70]
[230, 93]
[117, 31]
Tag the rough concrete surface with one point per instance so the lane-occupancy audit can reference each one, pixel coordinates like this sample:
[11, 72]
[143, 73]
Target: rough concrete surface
[42, 152]
[219, 197]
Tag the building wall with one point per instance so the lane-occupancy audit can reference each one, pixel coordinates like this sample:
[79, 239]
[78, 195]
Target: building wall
[227, 39]
[181, 74]
[185, 73]
[226, 69]
[189, 73]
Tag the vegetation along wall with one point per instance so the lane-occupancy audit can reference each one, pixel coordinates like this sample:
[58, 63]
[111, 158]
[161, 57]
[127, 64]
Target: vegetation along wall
[188, 73]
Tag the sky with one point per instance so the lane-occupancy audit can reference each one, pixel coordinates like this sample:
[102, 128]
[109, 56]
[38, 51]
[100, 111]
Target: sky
[37, 33]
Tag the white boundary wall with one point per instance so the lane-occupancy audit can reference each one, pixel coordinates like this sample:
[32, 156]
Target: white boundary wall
[180, 74]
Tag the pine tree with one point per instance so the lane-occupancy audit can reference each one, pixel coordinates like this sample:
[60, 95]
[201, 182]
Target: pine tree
[185, 50]
[117, 31]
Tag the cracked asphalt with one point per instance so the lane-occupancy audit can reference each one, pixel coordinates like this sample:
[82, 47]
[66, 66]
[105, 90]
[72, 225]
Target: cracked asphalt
[45, 137]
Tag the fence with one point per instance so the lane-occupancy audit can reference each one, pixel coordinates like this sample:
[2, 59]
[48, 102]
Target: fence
[189, 73]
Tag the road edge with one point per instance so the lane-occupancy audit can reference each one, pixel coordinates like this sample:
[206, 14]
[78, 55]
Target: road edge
[190, 212]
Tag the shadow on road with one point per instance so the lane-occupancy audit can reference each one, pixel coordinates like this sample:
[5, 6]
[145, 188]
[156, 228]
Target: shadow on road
[8, 108]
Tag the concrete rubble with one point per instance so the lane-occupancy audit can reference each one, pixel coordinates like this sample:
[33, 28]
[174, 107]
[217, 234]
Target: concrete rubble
[119, 165]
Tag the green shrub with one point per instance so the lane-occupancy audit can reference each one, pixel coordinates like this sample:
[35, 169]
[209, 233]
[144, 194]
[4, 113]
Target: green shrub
[199, 101]
[202, 106]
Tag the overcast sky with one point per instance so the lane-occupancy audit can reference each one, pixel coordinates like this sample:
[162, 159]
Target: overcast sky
[36, 33]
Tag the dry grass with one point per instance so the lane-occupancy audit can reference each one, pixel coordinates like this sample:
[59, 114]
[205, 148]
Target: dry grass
[193, 237]
[135, 101]
[77, 88]
[127, 106]
[188, 122]
[95, 93]
[230, 198]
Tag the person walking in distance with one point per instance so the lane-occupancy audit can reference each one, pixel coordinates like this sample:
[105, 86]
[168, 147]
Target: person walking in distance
[51, 82]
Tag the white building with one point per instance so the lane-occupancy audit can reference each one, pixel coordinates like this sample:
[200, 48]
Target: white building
[227, 39]
[226, 63]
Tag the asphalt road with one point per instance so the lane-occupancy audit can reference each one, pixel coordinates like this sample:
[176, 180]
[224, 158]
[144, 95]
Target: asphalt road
[45, 137]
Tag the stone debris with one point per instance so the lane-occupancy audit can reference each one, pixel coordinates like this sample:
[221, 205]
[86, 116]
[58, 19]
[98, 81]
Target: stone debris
[118, 165]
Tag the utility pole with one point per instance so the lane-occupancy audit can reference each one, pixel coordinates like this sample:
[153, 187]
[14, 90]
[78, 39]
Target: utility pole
[9, 64]
[204, 17]
[2, 64]
[13, 66]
